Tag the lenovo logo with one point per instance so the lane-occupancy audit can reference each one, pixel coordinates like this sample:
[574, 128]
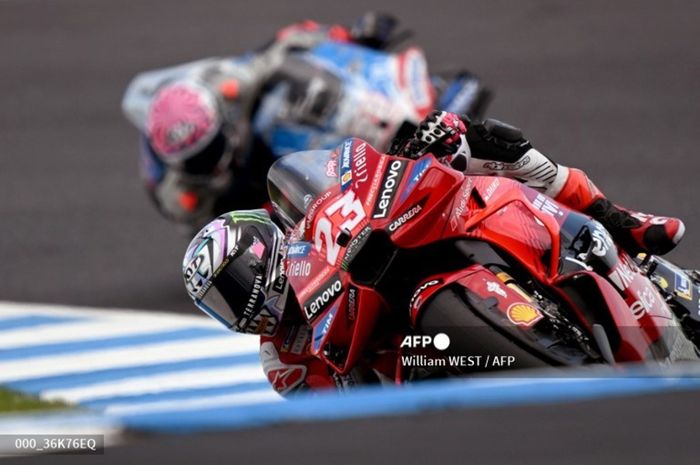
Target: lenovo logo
[391, 180]
[319, 301]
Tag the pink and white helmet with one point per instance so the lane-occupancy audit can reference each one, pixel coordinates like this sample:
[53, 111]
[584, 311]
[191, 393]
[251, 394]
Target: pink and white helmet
[182, 120]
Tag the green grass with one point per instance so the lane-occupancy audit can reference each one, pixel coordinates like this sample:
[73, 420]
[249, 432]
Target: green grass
[11, 401]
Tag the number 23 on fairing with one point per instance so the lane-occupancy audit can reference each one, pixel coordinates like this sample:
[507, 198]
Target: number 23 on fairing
[350, 209]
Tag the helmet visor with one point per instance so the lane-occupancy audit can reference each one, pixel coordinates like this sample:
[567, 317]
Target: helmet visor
[205, 161]
[237, 293]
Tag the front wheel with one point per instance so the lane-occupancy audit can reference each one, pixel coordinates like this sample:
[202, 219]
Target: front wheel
[448, 312]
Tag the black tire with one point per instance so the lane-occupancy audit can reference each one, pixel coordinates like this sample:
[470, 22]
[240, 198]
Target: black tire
[447, 312]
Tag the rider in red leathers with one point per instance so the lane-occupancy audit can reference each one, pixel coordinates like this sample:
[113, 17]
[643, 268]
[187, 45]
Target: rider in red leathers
[498, 149]
[250, 293]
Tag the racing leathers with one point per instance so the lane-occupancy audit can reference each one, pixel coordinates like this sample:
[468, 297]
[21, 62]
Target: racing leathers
[498, 149]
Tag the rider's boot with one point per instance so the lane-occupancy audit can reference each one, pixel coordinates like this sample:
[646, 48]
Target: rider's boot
[635, 231]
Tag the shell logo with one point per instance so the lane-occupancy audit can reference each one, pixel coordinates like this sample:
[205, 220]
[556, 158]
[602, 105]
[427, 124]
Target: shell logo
[523, 314]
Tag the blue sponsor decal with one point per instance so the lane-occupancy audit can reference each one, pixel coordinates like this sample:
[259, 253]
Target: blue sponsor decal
[683, 287]
[298, 250]
[346, 165]
[416, 174]
[322, 328]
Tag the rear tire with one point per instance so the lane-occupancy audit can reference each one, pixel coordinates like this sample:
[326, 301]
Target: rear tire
[447, 312]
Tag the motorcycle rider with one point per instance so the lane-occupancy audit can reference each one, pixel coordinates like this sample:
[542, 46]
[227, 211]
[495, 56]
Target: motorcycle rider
[196, 122]
[498, 149]
[234, 268]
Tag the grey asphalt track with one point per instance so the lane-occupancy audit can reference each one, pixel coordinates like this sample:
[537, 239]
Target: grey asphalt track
[648, 430]
[611, 87]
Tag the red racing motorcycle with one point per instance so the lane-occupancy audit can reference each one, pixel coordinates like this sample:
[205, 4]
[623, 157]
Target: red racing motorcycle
[401, 257]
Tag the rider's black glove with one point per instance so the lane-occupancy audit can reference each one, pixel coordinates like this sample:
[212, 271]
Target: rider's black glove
[373, 29]
[495, 140]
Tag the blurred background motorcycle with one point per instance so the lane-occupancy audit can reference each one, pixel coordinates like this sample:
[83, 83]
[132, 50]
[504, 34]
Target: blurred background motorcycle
[211, 128]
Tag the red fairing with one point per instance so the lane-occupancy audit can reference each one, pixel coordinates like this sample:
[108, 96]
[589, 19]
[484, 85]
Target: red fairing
[417, 203]
[635, 338]
[516, 307]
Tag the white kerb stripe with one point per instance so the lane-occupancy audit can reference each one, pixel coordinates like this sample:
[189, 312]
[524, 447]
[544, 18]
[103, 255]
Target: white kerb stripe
[191, 379]
[16, 309]
[131, 356]
[85, 331]
[226, 400]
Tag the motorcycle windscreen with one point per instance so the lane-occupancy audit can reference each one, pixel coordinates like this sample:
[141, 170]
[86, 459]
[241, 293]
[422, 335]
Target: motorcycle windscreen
[295, 180]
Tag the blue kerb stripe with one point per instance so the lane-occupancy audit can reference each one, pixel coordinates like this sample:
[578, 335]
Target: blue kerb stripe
[38, 385]
[209, 311]
[179, 394]
[405, 400]
[108, 343]
[36, 320]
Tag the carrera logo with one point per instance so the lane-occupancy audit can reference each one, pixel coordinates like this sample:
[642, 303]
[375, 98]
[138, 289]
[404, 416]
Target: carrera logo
[391, 180]
[406, 217]
[320, 301]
